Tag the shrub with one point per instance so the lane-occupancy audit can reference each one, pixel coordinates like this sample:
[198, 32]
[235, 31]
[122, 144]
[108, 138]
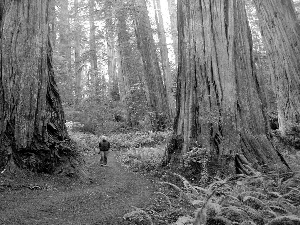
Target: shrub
[143, 158]
[139, 139]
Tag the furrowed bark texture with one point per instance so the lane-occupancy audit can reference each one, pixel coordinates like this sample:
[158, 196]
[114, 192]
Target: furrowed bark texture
[125, 64]
[218, 96]
[32, 123]
[281, 34]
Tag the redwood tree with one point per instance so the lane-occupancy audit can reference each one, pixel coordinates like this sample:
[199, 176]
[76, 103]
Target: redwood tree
[173, 23]
[93, 48]
[281, 34]
[166, 69]
[33, 134]
[158, 101]
[218, 97]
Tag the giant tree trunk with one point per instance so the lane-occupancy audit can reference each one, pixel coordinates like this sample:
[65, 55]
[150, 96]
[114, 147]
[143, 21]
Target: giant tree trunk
[218, 97]
[164, 56]
[126, 66]
[158, 101]
[281, 33]
[32, 124]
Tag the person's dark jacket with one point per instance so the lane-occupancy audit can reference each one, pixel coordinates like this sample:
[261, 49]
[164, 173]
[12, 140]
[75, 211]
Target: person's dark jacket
[104, 145]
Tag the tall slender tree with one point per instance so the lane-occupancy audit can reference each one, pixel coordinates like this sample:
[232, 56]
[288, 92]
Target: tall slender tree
[174, 33]
[158, 101]
[218, 96]
[63, 50]
[166, 69]
[125, 65]
[110, 41]
[77, 50]
[33, 134]
[93, 49]
[281, 34]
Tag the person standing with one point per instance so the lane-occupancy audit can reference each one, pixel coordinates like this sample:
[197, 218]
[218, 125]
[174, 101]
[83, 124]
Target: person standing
[104, 146]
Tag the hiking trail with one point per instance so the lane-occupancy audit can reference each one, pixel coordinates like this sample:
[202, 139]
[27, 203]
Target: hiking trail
[113, 193]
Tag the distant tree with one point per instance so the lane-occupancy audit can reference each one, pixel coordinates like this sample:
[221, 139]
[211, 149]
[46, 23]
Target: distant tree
[219, 104]
[130, 68]
[166, 69]
[63, 53]
[77, 53]
[281, 34]
[33, 134]
[125, 64]
[173, 18]
[111, 50]
[93, 73]
[158, 101]
[53, 21]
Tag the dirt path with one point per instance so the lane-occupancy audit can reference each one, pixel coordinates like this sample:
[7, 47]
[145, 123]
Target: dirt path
[112, 194]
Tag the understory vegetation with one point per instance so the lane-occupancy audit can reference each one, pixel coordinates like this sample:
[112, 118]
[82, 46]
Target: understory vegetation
[184, 196]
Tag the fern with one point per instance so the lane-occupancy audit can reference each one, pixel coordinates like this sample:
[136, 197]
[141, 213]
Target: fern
[253, 202]
[285, 220]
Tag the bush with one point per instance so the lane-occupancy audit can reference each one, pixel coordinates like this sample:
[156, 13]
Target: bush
[88, 143]
[143, 158]
[138, 139]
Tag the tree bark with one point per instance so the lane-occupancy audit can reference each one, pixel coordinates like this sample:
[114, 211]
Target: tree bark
[53, 23]
[125, 63]
[158, 101]
[32, 124]
[218, 97]
[168, 79]
[281, 34]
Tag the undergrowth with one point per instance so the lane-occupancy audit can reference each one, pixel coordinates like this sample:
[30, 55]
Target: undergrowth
[245, 200]
[121, 141]
[259, 199]
[143, 159]
[256, 200]
[139, 139]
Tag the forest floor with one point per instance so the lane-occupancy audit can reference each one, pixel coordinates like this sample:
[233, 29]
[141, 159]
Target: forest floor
[114, 191]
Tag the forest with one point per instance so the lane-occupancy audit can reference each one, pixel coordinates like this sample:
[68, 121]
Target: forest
[198, 99]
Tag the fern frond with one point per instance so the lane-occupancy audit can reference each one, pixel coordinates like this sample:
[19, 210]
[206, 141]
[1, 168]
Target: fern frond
[234, 213]
[278, 209]
[253, 202]
[285, 220]
[255, 194]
